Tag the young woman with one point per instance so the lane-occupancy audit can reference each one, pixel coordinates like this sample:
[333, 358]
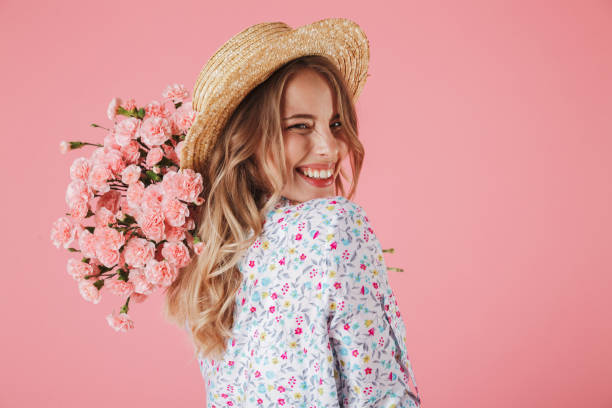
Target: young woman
[289, 303]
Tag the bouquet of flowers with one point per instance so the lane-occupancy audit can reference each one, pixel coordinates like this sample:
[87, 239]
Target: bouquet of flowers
[130, 207]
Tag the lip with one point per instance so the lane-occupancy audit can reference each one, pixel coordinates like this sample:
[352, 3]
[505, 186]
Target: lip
[317, 182]
[318, 166]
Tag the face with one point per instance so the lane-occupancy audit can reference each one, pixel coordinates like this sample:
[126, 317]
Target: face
[312, 131]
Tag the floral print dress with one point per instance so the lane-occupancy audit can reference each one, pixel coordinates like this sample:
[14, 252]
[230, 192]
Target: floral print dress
[316, 323]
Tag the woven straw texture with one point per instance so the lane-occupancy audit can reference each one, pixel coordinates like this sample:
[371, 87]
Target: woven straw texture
[251, 56]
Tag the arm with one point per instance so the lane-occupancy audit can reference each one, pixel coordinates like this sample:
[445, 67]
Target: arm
[366, 331]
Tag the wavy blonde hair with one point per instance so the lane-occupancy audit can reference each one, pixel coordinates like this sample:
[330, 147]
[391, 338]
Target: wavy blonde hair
[239, 191]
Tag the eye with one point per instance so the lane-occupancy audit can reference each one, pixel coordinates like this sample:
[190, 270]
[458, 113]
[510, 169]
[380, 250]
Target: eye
[299, 124]
[339, 124]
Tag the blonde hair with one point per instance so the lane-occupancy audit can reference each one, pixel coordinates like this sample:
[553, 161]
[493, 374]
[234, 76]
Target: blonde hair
[239, 191]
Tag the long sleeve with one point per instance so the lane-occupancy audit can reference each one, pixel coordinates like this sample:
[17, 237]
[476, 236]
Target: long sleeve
[367, 334]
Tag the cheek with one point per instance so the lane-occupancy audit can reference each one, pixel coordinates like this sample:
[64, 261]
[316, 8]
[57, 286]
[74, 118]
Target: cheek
[295, 149]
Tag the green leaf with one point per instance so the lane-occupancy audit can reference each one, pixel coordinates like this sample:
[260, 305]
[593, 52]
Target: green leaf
[85, 260]
[99, 283]
[90, 229]
[196, 239]
[178, 104]
[141, 113]
[123, 275]
[73, 250]
[153, 176]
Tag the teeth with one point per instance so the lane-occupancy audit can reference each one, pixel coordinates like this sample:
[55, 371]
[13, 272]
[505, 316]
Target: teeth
[322, 174]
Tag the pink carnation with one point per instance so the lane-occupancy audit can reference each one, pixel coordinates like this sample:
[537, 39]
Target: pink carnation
[108, 238]
[131, 174]
[176, 93]
[154, 131]
[111, 111]
[78, 270]
[135, 193]
[154, 156]
[79, 170]
[110, 201]
[104, 217]
[87, 244]
[113, 159]
[120, 322]
[78, 209]
[126, 130]
[151, 223]
[108, 257]
[131, 152]
[89, 292]
[176, 253]
[138, 297]
[64, 147]
[119, 287]
[110, 142]
[129, 104]
[174, 234]
[185, 185]
[184, 117]
[198, 248]
[98, 177]
[153, 197]
[78, 190]
[138, 252]
[175, 212]
[63, 232]
[160, 273]
[163, 109]
[141, 284]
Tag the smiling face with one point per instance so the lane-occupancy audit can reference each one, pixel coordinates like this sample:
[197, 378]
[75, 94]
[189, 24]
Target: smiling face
[312, 134]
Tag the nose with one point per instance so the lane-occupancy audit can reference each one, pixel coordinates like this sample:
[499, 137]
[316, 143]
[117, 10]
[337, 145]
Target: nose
[325, 143]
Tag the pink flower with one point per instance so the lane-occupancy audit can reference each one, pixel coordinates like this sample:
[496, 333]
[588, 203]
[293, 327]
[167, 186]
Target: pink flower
[185, 185]
[174, 234]
[184, 117]
[131, 152]
[151, 223]
[108, 257]
[113, 159]
[126, 130]
[108, 238]
[120, 322]
[153, 197]
[78, 209]
[138, 297]
[78, 190]
[87, 244]
[79, 170]
[63, 232]
[119, 287]
[141, 284]
[176, 92]
[110, 142]
[175, 212]
[89, 292]
[104, 217]
[135, 193]
[154, 156]
[170, 153]
[179, 148]
[111, 111]
[64, 146]
[130, 174]
[138, 252]
[78, 269]
[198, 248]
[163, 109]
[98, 177]
[154, 131]
[160, 273]
[129, 104]
[176, 253]
[110, 201]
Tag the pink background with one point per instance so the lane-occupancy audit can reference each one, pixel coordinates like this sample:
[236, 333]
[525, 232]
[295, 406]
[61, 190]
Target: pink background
[488, 130]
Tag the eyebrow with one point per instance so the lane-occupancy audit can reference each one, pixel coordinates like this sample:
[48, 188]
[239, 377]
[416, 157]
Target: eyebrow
[308, 116]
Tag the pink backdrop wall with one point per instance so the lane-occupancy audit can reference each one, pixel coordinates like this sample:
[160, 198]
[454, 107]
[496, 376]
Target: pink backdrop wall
[488, 130]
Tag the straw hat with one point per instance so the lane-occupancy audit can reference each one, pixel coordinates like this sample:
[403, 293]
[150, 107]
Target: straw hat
[251, 56]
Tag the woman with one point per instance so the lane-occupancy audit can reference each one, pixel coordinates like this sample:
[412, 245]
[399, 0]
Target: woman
[289, 302]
